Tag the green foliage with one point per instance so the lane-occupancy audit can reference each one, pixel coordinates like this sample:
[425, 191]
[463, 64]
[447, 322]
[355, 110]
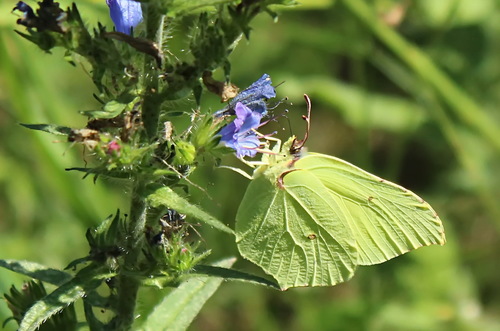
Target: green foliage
[65, 295]
[36, 271]
[376, 106]
[180, 307]
[134, 81]
[21, 304]
[164, 197]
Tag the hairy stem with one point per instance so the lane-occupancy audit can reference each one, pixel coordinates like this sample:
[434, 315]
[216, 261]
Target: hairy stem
[127, 286]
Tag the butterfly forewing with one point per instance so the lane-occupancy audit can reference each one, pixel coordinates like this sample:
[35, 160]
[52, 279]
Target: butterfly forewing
[386, 219]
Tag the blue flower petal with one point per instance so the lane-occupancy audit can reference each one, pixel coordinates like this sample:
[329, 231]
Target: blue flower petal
[239, 134]
[251, 119]
[247, 146]
[126, 14]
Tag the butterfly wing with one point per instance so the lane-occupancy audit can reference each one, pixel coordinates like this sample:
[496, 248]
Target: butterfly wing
[295, 232]
[386, 219]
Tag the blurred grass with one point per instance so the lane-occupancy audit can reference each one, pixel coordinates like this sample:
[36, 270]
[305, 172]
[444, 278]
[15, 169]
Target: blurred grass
[407, 90]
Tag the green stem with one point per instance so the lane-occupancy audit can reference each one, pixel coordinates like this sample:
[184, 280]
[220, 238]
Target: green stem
[151, 104]
[127, 287]
[464, 107]
[137, 221]
[125, 305]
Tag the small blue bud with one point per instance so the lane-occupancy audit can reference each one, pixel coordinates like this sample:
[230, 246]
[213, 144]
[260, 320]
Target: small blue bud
[253, 97]
[126, 14]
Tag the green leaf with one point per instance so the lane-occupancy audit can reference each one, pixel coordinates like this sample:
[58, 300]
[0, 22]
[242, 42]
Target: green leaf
[232, 274]
[167, 198]
[110, 110]
[36, 271]
[183, 304]
[86, 280]
[50, 128]
[310, 220]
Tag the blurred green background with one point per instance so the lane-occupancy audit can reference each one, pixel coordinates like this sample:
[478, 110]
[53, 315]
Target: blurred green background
[408, 90]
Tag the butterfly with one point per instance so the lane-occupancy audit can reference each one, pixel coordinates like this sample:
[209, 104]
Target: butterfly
[310, 219]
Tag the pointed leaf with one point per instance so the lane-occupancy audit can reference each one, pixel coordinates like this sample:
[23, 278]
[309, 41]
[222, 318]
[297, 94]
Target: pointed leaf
[232, 274]
[167, 198]
[36, 271]
[50, 128]
[86, 280]
[183, 304]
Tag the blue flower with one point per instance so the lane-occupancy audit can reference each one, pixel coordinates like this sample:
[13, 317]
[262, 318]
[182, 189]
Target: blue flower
[254, 97]
[239, 134]
[126, 14]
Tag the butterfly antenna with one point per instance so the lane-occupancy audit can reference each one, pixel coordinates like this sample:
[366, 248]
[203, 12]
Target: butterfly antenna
[307, 119]
[298, 144]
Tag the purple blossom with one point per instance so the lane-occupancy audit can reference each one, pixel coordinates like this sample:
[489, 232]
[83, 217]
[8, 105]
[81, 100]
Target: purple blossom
[239, 134]
[126, 14]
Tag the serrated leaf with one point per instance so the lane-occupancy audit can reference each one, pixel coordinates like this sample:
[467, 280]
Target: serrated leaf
[86, 280]
[36, 271]
[165, 197]
[182, 305]
[50, 128]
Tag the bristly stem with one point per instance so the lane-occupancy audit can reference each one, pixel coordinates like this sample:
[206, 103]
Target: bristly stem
[127, 286]
[125, 304]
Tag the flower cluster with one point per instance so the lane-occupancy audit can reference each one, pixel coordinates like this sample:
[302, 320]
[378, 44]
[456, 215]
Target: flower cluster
[249, 107]
[126, 14]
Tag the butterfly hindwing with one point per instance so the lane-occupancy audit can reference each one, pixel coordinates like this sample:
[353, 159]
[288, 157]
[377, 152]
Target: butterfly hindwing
[295, 232]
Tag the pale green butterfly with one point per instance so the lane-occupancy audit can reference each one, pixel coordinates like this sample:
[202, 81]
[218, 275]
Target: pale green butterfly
[310, 219]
